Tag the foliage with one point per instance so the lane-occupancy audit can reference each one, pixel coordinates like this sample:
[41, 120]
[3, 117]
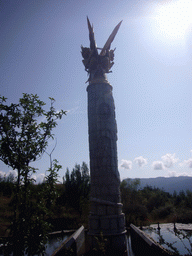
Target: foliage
[50, 181]
[31, 223]
[56, 207]
[153, 204]
[22, 137]
[7, 185]
[77, 186]
[102, 244]
[29, 229]
[24, 132]
[133, 207]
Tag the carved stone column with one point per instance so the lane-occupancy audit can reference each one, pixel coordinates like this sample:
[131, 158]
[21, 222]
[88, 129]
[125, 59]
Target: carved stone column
[106, 209]
[106, 214]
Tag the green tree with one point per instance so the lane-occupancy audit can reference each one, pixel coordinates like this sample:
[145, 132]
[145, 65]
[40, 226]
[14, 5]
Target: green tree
[25, 129]
[50, 182]
[135, 211]
[77, 186]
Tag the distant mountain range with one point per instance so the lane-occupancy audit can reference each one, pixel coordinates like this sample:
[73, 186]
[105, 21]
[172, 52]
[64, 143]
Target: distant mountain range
[169, 184]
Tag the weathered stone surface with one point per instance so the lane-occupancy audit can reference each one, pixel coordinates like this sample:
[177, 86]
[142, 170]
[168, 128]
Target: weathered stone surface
[114, 224]
[94, 223]
[111, 210]
[122, 221]
[105, 181]
[105, 224]
[101, 210]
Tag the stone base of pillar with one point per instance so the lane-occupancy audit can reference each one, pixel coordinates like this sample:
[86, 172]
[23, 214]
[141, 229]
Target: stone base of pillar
[107, 217]
[108, 232]
[116, 244]
[109, 225]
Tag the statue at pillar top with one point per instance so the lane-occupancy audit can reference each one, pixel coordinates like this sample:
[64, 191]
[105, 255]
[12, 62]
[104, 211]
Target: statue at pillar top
[98, 64]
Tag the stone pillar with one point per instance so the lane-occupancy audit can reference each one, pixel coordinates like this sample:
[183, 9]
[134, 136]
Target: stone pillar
[106, 209]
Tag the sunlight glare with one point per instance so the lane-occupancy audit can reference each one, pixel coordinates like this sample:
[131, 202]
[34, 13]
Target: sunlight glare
[173, 19]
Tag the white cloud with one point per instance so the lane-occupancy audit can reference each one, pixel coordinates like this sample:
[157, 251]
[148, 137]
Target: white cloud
[2, 174]
[126, 164]
[187, 163]
[172, 174]
[158, 165]
[13, 172]
[141, 161]
[6, 174]
[38, 178]
[169, 160]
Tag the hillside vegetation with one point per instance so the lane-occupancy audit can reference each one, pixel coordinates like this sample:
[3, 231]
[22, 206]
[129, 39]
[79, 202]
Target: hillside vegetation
[150, 204]
[70, 208]
[65, 206]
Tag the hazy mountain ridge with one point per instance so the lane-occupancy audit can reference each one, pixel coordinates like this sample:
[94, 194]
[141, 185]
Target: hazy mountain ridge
[168, 184]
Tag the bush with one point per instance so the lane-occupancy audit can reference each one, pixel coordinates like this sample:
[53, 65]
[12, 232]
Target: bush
[162, 212]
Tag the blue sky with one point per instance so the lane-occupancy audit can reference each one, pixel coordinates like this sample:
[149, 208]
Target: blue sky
[152, 77]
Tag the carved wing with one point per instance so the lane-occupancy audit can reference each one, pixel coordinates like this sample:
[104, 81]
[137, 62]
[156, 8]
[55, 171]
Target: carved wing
[110, 39]
[93, 45]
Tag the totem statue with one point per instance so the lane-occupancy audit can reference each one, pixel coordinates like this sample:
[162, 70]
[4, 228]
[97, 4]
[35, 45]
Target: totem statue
[106, 209]
[97, 65]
